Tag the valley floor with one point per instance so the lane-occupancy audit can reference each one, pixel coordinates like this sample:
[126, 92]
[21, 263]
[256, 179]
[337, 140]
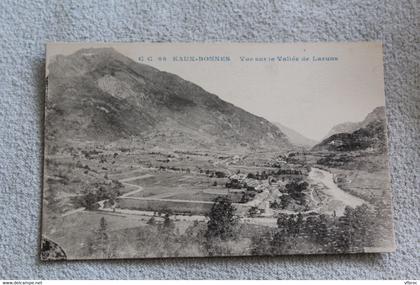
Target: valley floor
[141, 196]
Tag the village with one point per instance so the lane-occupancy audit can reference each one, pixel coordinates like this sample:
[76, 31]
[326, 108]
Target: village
[256, 188]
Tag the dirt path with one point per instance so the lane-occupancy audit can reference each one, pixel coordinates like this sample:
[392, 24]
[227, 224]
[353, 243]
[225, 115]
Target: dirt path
[136, 178]
[138, 188]
[128, 212]
[126, 181]
[73, 211]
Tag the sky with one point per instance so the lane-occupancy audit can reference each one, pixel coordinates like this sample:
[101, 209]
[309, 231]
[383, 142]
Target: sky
[308, 96]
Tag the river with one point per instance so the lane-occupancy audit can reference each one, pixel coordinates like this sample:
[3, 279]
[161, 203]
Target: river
[331, 189]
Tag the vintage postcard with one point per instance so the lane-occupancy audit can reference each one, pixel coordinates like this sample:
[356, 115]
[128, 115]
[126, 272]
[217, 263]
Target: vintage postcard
[224, 149]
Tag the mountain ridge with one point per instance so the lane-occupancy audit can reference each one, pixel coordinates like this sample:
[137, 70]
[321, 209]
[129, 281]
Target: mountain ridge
[349, 127]
[100, 94]
[370, 134]
[295, 137]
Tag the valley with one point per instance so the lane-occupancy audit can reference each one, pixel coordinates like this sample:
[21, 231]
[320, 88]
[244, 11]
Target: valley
[132, 186]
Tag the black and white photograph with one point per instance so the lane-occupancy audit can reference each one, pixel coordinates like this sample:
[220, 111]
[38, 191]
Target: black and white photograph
[199, 150]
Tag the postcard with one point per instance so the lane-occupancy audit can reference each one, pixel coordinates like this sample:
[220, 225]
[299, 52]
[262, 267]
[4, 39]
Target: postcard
[159, 150]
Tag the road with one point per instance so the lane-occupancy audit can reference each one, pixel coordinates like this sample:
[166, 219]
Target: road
[71, 212]
[138, 188]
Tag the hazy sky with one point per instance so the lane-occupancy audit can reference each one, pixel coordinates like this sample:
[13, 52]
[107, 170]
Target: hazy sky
[309, 97]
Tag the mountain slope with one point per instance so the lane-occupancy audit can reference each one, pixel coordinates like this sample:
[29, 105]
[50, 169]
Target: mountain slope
[296, 138]
[349, 127]
[371, 134]
[101, 95]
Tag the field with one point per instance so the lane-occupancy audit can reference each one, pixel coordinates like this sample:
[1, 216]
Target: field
[134, 192]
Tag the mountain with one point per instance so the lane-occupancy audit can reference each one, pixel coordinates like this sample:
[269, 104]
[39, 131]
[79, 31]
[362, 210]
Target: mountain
[296, 138]
[98, 94]
[349, 127]
[371, 134]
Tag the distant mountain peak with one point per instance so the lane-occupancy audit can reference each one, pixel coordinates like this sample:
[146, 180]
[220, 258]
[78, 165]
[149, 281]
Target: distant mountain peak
[367, 134]
[349, 127]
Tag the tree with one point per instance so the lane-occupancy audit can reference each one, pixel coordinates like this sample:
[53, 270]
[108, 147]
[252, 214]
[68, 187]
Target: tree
[151, 221]
[251, 175]
[99, 244]
[278, 242]
[285, 201]
[297, 224]
[282, 221]
[320, 227]
[167, 222]
[261, 244]
[353, 227]
[275, 205]
[246, 197]
[290, 224]
[264, 175]
[299, 219]
[220, 174]
[253, 212]
[296, 189]
[222, 220]
[89, 201]
[344, 234]
[102, 236]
